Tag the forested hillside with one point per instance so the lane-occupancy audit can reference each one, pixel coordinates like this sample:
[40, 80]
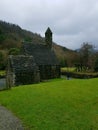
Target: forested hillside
[11, 36]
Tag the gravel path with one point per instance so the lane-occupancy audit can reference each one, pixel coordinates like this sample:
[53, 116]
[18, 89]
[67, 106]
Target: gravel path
[8, 121]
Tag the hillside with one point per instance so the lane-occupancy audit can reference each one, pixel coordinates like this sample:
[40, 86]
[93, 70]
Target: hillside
[11, 36]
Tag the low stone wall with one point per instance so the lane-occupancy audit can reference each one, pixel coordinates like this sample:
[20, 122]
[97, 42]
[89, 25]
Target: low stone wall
[80, 75]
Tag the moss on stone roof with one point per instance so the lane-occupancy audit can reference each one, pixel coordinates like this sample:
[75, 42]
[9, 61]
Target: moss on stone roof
[41, 53]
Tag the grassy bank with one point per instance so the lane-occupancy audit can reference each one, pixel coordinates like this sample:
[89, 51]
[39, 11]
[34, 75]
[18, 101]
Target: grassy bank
[55, 105]
[68, 69]
[2, 73]
[82, 75]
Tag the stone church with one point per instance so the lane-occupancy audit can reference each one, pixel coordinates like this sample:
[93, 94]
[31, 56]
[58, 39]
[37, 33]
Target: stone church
[36, 63]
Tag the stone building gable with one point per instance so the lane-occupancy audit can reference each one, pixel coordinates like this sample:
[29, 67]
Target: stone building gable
[22, 63]
[22, 69]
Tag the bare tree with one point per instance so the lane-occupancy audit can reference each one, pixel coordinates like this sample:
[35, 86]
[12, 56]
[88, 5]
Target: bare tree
[86, 55]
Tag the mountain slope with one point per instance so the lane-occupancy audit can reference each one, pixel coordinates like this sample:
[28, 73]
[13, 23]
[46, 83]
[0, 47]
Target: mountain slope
[11, 36]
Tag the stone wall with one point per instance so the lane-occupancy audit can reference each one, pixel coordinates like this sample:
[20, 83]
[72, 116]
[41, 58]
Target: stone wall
[23, 78]
[49, 71]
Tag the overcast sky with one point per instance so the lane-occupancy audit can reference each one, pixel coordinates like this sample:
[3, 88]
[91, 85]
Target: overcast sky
[71, 21]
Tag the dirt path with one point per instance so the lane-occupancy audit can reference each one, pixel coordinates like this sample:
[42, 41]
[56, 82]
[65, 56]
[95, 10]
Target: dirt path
[8, 121]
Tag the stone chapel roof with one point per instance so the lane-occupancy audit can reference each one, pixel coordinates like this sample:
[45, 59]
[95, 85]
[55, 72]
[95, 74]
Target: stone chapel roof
[22, 63]
[41, 53]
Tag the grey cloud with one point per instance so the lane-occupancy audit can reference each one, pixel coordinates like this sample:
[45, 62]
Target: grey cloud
[72, 22]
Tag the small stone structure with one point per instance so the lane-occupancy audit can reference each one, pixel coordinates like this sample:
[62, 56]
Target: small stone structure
[38, 62]
[21, 69]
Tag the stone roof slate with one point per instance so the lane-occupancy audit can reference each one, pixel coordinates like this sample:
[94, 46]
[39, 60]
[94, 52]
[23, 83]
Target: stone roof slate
[41, 53]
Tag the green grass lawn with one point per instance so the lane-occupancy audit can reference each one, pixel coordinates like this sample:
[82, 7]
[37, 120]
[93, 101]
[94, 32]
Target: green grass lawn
[55, 105]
